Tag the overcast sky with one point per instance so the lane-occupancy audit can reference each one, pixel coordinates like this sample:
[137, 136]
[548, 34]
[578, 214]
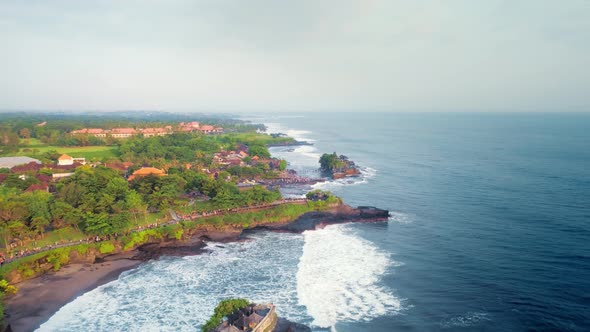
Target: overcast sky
[422, 55]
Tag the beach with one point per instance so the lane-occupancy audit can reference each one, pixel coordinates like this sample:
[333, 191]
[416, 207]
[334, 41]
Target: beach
[39, 298]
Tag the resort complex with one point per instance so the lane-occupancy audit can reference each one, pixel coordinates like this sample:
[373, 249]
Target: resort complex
[193, 126]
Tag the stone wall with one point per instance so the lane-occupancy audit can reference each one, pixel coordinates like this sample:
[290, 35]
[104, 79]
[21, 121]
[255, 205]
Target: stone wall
[267, 324]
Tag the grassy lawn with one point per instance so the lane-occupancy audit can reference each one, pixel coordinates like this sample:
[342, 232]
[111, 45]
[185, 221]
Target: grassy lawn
[32, 147]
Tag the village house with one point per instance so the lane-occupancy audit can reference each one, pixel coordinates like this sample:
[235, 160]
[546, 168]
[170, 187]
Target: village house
[40, 186]
[230, 158]
[65, 160]
[145, 171]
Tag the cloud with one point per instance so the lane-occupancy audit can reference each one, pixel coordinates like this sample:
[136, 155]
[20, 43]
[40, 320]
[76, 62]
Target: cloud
[295, 55]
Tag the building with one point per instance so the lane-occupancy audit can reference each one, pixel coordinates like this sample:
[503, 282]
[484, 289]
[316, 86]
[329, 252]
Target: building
[123, 132]
[10, 162]
[188, 126]
[149, 132]
[208, 129]
[145, 171]
[96, 132]
[253, 318]
[64, 159]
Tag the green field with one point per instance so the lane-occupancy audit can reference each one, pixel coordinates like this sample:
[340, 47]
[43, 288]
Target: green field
[33, 147]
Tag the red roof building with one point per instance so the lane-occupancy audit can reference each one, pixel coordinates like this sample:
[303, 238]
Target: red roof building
[145, 171]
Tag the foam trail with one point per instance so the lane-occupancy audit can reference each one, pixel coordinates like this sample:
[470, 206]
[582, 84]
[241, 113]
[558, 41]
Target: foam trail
[338, 277]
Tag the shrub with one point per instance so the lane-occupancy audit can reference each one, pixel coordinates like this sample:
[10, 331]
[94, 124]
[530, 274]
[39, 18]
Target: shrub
[223, 309]
[106, 248]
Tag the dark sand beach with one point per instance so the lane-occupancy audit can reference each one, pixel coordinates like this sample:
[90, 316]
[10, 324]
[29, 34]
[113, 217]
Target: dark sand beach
[39, 298]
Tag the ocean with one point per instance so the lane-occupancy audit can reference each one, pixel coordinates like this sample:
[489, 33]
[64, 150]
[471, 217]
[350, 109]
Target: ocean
[489, 231]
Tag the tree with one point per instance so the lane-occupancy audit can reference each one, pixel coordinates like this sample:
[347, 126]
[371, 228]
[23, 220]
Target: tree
[72, 193]
[39, 224]
[18, 230]
[329, 162]
[282, 165]
[135, 204]
[259, 150]
[25, 133]
[97, 224]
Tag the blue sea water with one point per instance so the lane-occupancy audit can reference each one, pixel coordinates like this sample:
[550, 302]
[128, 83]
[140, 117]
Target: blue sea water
[489, 231]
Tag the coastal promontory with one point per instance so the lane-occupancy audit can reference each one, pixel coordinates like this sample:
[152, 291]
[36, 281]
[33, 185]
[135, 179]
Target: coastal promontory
[338, 167]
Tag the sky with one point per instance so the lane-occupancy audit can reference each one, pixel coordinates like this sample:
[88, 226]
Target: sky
[305, 55]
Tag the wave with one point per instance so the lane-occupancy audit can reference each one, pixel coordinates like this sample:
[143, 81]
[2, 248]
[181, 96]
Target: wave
[400, 217]
[299, 135]
[179, 294]
[367, 173]
[338, 278]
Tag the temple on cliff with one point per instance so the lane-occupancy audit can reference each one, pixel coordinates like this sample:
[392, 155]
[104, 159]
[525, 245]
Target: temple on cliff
[253, 318]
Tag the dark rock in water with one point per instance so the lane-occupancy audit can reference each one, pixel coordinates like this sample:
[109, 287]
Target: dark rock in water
[150, 251]
[372, 212]
[339, 215]
[284, 325]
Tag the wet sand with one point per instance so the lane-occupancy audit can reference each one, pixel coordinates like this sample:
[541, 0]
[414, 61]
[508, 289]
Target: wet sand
[39, 298]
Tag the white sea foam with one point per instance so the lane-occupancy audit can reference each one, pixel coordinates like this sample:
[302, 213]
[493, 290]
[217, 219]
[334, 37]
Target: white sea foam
[367, 173]
[399, 217]
[300, 135]
[338, 277]
[179, 294]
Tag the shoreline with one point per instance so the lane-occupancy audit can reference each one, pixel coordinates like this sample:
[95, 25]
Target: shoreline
[40, 298]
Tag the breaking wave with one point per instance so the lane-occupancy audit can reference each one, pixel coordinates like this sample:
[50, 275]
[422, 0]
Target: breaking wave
[179, 294]
[400, 217]
[338, 278]
[367, 173]
[300, 135]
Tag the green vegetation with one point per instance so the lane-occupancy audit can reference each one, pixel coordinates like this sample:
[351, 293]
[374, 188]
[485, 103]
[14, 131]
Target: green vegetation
[5, 288]
[323, 196]
[138, 238]
[30, 266]
[270, 215]
[330, 162]
[223, 309]
[106, 247]
[97, 201]
[37, 149]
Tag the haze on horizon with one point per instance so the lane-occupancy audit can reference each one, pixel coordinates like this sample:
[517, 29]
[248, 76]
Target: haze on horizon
[221, 55]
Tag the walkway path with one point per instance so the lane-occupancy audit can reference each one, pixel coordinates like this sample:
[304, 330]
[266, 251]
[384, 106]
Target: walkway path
[176, 218]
